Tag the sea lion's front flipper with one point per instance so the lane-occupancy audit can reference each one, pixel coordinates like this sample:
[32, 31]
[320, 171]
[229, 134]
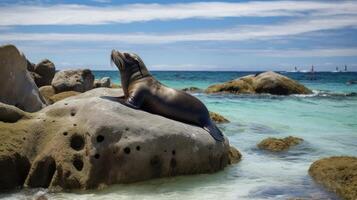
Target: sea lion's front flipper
[213, 130]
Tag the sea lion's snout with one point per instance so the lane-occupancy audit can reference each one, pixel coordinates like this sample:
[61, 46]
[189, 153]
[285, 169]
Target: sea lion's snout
[118, 59]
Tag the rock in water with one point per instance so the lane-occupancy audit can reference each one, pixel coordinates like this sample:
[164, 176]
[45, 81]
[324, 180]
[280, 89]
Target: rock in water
[267, 82]
[91, 140]
[276, 144]
[16, 85]
[103, 82]
[46, 71]
[337, 174]
[79, 80]
[217, 118]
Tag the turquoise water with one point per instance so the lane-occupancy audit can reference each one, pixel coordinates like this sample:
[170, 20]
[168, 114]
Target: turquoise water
[326, 120]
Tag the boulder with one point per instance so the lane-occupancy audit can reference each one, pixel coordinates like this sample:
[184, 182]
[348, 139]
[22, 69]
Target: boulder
[337, 174]
[267, 82]
[217, 118]
[277, 145]
[45, 71]
[103, 82]
[79, 80]
[91, 140]
[16, 85]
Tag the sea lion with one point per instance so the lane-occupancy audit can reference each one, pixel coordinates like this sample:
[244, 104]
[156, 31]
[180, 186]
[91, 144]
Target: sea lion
[143, 91]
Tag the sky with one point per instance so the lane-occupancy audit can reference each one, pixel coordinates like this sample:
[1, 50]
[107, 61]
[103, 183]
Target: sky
[185, 35]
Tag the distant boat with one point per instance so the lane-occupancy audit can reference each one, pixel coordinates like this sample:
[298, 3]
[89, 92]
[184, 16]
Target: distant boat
[345, 69]
[337, 70]
[295, 70]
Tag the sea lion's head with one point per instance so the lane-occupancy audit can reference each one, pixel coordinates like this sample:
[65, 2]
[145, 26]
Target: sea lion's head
[131, 67]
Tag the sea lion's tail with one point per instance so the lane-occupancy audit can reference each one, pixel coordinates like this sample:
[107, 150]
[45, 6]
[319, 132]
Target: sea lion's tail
[214, 131]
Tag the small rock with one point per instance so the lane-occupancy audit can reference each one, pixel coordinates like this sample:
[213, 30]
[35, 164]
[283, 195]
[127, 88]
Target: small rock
[192, 89]
[277, 145]
[103, 82]
[80, 80]
[46, 71]
[234, 156]
[113, 85]
[219, 119]
[337, 174]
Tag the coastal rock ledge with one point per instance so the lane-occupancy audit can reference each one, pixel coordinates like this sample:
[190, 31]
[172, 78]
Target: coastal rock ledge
[267, 82]
[337, 174]
[90, 141]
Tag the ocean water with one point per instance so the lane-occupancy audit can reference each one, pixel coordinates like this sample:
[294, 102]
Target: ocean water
[326, 120]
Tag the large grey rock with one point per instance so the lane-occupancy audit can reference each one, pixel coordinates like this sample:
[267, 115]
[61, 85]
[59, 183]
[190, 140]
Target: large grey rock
[16, 85]
[79, 80]
[267, 82]
[91, 140]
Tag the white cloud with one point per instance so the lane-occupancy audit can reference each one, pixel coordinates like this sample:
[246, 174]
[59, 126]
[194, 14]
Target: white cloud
[291, 28]
[291, 53]
[102, 1]
[66, 14]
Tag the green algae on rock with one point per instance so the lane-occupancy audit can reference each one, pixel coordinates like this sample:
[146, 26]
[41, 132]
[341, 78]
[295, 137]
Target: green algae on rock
[337, 174]
[217, 118]
[277, 145]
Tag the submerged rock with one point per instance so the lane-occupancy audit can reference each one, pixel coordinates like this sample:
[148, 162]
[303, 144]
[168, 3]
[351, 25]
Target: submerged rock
[267, 82]
[16, 85]
[192, 89]
[276, 144]
[217, 118]
[103, 82]
[79, 80]
[337, 174]
[90, 141]
[234, 155]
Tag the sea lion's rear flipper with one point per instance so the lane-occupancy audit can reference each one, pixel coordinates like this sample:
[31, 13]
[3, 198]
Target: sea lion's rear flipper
[213, 130]
[134, 102]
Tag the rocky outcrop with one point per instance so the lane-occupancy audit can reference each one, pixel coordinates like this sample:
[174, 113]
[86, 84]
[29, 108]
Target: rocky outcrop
[80, 80]
[277, 145]
[267, 82]
[337, 174]
[103, 82]
[16, 85]
[90, 141]
[217, 118]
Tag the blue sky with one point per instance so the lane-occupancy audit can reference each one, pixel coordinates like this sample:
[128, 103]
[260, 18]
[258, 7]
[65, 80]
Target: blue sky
[185, 35]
